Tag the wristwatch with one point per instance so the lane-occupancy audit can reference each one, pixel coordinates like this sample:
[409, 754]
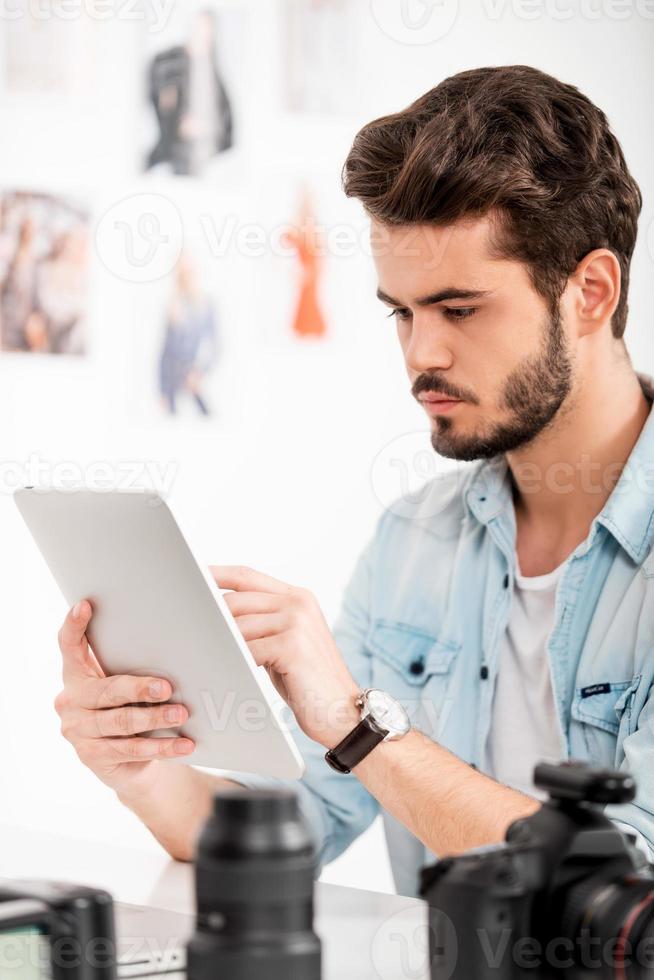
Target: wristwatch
[382, 719]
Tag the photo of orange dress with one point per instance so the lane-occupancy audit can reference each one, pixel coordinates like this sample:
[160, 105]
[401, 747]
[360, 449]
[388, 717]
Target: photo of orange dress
[309, 320]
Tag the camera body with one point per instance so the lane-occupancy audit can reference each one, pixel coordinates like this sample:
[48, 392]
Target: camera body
[57, 930]
[568, 894]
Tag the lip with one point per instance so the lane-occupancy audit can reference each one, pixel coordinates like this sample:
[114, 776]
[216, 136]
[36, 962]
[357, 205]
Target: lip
[439, 406]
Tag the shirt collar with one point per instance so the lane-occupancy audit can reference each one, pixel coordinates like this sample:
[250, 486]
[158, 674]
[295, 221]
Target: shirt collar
[628, 513]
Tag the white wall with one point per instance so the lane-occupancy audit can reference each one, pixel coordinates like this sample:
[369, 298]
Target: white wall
[285, 485]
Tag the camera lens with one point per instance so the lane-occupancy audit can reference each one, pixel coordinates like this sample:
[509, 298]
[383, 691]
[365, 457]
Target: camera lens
[614, 929]
[255, 870]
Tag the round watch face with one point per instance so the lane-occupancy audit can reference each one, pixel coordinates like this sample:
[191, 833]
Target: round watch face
[387, 713]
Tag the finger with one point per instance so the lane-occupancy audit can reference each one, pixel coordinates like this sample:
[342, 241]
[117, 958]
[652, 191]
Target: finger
[73, 643]
[242, 603]
[266, 650]
[255, 627]
[138, 749]
[122, 689]
[241, 578]
[279, 684]
[130, 720]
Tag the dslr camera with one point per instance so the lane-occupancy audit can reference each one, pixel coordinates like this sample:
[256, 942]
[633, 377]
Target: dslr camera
[56, 931]
[568, 895]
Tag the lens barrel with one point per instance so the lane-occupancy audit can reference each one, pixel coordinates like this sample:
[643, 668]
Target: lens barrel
[613, 928]
[256, 863]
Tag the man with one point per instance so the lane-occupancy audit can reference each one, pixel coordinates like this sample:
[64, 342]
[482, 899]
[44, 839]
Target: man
[515, 619]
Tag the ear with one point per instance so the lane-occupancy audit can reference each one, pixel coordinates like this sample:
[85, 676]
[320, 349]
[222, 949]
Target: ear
[596, 290]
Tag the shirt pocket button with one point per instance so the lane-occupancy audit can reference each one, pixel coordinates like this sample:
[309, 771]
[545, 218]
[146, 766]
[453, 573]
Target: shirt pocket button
[415, 655]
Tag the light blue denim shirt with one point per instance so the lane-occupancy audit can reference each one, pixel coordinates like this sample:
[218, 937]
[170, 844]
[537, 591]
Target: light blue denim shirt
[424, 615]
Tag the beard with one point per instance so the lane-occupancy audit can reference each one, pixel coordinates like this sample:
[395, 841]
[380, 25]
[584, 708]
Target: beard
[533, 394]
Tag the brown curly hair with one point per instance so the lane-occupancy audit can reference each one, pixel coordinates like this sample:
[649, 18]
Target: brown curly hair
[516, 142]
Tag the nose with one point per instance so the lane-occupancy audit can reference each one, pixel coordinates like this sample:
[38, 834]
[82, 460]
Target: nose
[426, 347]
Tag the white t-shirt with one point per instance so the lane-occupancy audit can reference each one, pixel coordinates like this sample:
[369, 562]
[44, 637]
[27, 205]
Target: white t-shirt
[525, 726]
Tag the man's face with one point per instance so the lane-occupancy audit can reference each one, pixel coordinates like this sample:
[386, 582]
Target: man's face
[472, 328]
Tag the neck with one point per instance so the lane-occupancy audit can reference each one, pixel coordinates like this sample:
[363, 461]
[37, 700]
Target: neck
[564, 477]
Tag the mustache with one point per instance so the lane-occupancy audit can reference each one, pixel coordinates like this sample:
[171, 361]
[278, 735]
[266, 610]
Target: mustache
[438, 385]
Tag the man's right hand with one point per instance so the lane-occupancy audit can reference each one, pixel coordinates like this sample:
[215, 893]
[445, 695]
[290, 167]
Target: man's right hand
[101, 719]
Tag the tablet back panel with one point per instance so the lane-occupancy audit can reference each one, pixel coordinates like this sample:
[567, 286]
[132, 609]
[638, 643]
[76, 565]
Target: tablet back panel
[158, 612]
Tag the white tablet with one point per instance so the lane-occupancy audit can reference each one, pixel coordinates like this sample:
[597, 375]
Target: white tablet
[157, 611]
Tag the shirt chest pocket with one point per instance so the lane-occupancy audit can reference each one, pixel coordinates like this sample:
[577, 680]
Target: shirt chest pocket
[410, 656]
[601, 718]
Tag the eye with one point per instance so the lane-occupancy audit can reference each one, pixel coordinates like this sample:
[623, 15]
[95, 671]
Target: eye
[400, 313]
[459, 312]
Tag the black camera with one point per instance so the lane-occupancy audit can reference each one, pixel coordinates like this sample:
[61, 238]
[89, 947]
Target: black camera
[56, 931]
[567, 896]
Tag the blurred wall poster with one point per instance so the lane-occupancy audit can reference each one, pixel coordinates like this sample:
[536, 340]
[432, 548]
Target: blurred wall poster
[44, 260]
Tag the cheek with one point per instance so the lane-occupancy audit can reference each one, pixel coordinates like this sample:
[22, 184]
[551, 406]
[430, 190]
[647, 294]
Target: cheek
[483, 355]
[502, 345]
[484, 359]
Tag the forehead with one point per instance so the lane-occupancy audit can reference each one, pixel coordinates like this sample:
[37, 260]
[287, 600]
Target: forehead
[413, 260]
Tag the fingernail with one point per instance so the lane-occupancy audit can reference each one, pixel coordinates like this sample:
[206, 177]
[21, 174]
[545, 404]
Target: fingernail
[172, 713]
[156, 689]
[183, 746]
[77, 610]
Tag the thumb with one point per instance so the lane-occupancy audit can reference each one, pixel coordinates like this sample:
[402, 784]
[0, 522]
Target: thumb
[77, 658]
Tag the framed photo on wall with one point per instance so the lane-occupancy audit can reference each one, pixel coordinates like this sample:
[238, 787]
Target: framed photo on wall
[44, 263]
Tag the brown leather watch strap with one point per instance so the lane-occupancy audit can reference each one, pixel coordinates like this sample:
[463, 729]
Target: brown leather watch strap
[354, 747]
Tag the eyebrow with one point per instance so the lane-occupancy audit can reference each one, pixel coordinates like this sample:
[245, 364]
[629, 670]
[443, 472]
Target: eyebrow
[451, 293]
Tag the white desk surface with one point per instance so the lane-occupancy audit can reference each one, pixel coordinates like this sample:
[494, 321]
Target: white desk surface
[366, 935]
